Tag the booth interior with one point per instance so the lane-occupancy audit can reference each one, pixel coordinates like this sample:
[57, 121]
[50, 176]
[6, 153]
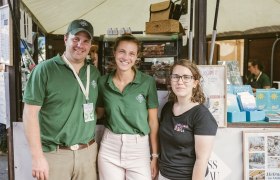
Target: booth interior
[248, 119]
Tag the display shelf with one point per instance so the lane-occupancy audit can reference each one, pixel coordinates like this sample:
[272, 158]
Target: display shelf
[155, 56]
[146, 37]
[257, 124]
[158, 52]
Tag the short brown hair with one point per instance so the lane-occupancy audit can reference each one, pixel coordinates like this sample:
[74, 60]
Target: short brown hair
[94, 48]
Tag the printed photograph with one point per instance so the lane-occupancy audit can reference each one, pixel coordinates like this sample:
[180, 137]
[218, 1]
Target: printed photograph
[273, 145]
[257, 175]
[273, 162]
[256, 160]
[256, 143]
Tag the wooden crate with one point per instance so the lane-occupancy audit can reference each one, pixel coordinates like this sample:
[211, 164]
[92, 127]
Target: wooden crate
[164, 26]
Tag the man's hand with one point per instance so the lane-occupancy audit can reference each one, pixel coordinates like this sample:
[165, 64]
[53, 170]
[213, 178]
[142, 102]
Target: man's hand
[40, 168]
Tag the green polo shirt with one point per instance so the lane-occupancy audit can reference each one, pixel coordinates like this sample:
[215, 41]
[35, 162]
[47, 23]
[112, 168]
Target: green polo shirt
[127, 111]
[263, 81]
[53, 86]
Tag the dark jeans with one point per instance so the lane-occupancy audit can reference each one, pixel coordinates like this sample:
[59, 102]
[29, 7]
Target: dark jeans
[3, 138]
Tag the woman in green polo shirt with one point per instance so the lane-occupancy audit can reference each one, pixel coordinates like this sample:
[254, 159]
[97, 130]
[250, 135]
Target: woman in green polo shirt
[129, 99]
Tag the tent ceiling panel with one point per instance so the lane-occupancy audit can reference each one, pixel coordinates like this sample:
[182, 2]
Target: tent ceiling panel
[234, 15]
[241, 15]
[53, 14]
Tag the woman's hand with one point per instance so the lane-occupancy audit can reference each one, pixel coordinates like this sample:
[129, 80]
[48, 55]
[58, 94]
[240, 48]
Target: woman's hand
[154, 167]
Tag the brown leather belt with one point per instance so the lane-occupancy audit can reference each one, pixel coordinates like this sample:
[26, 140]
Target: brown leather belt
[76, 147]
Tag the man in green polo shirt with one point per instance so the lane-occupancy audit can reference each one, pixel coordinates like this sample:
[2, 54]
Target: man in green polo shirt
[59, 112]
[257, 79]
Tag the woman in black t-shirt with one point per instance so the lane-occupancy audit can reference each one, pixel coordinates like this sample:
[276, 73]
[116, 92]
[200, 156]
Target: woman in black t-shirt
[187, 128]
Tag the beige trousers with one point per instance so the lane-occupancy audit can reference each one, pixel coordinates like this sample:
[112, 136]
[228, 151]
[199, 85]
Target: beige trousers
[73, 165]
[124, 157]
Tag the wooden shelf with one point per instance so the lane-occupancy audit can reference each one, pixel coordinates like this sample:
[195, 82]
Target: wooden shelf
[257, 124]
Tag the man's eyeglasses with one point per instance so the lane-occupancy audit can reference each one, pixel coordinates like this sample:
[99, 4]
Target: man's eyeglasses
[185, 78]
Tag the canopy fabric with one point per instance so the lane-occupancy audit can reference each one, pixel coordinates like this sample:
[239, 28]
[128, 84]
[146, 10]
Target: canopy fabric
[234, 15]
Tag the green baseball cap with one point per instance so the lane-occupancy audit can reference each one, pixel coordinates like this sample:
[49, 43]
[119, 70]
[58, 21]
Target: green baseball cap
[80, 25]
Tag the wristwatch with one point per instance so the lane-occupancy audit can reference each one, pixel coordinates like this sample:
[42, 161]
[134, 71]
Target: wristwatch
[154, 155]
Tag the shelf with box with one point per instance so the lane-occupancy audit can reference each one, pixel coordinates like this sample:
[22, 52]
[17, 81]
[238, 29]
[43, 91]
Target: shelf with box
[259, 111]
[158, 52]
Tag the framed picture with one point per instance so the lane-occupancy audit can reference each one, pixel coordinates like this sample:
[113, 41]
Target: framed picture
[215, 89]
[6, 41]
[261, 155]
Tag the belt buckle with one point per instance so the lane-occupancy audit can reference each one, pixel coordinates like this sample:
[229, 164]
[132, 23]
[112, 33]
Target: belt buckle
[74, 147]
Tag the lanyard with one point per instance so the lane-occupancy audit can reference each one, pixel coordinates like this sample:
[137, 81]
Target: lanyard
[258, 76]
[252, 80]
[85, 91]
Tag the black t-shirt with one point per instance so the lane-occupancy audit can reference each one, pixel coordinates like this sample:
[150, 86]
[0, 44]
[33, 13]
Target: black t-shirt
[176, 134]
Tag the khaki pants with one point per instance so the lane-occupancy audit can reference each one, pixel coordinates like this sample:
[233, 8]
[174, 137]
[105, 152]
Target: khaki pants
[73, 165]
[124, 156]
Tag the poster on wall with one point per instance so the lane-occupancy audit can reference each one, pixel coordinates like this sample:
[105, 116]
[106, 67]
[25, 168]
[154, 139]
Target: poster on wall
[261, 155]
[218, 170]
[4, 99]
[5, 36]
[214, 87]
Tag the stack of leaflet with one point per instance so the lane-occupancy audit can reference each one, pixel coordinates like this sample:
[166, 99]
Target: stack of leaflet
[233, 110]
[247, 103]
[272, 116]
[269, 101]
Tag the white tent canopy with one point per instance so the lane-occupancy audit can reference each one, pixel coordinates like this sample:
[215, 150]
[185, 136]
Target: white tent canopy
[234, 15]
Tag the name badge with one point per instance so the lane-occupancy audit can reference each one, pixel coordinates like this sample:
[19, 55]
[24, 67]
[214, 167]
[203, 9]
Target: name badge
[88, 112]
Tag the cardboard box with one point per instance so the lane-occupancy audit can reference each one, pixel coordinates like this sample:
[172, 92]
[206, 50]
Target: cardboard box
[161, 11]
[164, 26]
[236, 116]
[255, 116]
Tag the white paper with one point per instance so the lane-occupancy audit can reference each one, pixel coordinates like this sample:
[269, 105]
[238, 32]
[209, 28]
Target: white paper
[214, 88]
[162, 99]
[4, 99]
[5, 38]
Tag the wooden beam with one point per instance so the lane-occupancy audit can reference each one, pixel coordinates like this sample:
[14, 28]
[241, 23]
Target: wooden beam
[14, 82]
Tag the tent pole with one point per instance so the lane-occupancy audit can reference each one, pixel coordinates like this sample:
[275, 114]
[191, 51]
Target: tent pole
[214, 33]
[191, 33]
[272, 58]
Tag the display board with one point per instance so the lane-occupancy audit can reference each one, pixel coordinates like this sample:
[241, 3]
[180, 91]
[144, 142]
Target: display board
[214, 87]
[261, 152]
[4, 99]
[5, 36]
[233, 72]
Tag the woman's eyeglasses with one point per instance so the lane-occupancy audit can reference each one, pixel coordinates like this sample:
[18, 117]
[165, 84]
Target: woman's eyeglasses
[185, 78]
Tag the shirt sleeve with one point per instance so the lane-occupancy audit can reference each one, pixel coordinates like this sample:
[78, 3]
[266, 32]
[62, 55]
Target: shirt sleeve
[35, 90]
[205, 123]
[152, 95]
[265, 81]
